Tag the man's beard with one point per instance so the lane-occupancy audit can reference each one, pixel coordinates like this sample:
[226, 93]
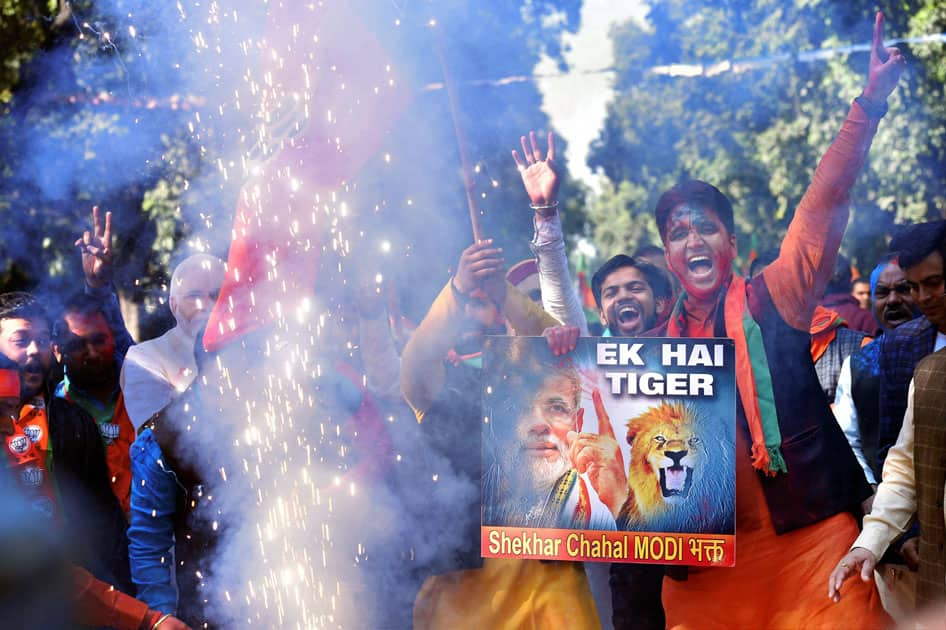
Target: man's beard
[195, 326]
[90, 377]
[528, 483]
[899, 314]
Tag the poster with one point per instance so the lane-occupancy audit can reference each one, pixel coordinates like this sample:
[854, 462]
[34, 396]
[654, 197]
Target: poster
[622, 450]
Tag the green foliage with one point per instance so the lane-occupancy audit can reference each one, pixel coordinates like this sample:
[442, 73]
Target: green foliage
[758, 133]
[22, 33]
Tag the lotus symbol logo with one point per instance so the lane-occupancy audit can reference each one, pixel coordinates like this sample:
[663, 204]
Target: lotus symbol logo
[34, 432]
[109, 431]
[19, 444]
[32, 477]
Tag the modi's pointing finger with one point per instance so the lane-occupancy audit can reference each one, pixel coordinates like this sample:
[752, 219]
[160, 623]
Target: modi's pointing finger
[604, 420]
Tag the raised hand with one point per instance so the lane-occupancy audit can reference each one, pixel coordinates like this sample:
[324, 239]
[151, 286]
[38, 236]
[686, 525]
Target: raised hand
[96, 248]
[886, 66]
[539, 176]
[561, 339]
[857, 560]
[599, 455]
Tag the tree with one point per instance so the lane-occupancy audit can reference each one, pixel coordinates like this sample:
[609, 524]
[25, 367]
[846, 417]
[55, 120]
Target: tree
[757, 131]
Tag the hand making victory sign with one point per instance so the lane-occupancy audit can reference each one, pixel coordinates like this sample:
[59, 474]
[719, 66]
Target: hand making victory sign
[886, 66]
[539, 176]
[96, 248]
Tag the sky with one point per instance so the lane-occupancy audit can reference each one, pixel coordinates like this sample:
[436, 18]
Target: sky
[576, 102]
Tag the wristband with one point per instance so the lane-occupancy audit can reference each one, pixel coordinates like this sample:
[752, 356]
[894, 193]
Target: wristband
[461, 298]
[151, 617]
[871, 108]
[544, 206]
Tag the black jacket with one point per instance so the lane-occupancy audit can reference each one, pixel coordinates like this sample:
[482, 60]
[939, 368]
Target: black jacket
[94, 519]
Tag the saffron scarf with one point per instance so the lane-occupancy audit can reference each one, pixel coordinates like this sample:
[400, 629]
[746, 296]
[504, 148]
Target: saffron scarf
[29, 458]
[753, 378]
[823, 329]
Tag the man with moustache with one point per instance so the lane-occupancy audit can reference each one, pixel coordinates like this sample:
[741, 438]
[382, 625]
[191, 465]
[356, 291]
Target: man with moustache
[857, 398]
[796, 477]
[70, 440]
[165, 486]
[631, 295]
[84, 344]
[459, 587]
[856, 407]
[542, 475]
[155, 372]
[921, 250]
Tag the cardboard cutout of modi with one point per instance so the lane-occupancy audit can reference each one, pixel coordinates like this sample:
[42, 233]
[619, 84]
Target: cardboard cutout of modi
[621, 451]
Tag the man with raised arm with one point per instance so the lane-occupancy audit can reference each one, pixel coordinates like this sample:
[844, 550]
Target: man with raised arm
[461, 589]
[541, 180]
[797, 479]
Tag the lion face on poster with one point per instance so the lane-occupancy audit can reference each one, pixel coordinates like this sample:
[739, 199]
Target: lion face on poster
[680, 476]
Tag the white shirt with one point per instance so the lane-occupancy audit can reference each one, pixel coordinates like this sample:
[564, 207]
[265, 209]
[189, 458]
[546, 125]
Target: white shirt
[559, 298]
[895, 501]
[940, 341]
[846, 414]
[155, 372]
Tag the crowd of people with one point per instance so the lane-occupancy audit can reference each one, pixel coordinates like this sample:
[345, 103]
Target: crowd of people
[840, 441]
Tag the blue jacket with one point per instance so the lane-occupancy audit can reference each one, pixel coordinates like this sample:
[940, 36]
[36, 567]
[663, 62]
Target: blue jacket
[154, 491]
[900, 351]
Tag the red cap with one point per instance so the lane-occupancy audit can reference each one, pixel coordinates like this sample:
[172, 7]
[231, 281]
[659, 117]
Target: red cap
[9, 383]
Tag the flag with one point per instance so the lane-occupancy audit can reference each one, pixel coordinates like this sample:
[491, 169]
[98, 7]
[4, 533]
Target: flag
[331, 95]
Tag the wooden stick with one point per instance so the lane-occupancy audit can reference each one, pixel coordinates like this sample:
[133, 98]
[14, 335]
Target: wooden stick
[461, 140]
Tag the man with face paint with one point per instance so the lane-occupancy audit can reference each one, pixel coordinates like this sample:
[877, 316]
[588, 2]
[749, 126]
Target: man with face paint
[155, 372]
[796, 476]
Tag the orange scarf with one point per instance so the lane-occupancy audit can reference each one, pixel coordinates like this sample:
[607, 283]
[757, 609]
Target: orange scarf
[753, 379]
[26, 443]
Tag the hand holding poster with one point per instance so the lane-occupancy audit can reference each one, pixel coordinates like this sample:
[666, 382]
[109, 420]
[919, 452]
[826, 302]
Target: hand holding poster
[621, 451]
